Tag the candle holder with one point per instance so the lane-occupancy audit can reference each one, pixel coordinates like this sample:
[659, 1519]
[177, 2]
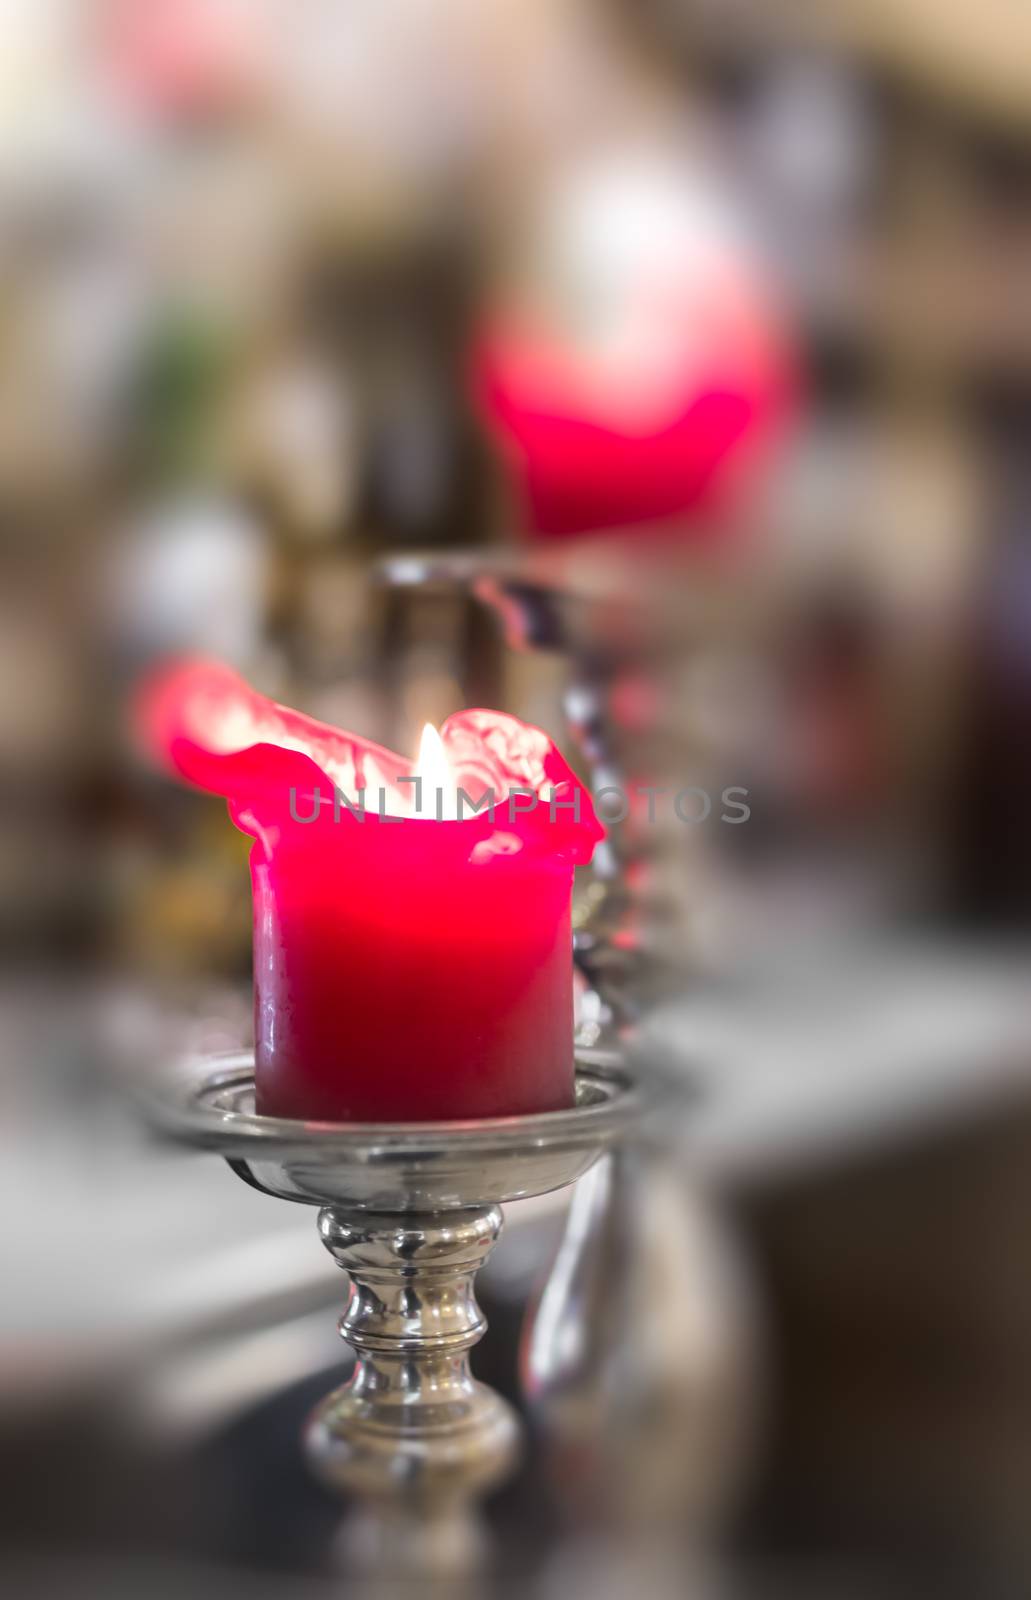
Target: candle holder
[410, 1211]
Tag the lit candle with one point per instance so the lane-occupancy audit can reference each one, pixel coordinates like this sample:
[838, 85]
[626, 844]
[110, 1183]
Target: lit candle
[412, 943]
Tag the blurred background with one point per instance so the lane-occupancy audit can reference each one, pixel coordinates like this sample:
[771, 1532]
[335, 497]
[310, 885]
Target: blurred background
[659, 372]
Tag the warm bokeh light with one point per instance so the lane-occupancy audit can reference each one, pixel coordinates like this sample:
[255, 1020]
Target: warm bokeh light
[433, 769]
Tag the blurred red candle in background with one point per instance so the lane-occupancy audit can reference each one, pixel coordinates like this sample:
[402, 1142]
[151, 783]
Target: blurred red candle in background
[405, 967]
[634, 367]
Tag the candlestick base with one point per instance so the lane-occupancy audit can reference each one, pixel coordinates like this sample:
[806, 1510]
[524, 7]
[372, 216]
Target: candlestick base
[410, 1211]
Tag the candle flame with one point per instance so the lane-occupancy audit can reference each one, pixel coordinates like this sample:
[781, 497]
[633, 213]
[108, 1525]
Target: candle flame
[439, 796]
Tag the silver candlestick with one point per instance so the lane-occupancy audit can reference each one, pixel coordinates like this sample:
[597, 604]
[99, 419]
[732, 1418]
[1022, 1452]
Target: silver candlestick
[410, 1211]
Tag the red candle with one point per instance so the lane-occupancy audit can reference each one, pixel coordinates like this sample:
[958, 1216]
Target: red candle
[633, 367]
[412, 954]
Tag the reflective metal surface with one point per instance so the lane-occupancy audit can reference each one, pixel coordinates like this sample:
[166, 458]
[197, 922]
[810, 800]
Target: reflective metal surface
[399, 1166]
[412, 1433]
[410, 1211]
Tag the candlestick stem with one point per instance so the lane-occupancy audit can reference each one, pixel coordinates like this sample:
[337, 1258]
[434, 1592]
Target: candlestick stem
[412, 1436]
